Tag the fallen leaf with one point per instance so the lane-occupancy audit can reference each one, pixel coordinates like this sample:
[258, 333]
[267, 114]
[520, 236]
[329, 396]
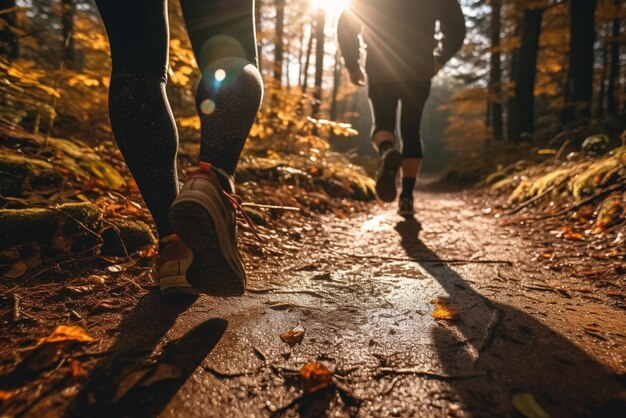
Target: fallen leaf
[97, 279]
[117, 268]
[132, 186]
[546, 255]
[315, 377]
[574, 236]
[443, 310]
[66, 333]
[5, 395]
[526, 404]
[17, 270]
[148, 251]
[79, 290]
[293, 336]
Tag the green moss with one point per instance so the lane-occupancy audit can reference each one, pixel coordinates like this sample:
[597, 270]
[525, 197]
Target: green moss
[18, 173]
[128, 234]
[23, 226]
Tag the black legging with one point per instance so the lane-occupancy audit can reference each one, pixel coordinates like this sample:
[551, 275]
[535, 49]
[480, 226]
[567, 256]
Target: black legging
[229, 95]
[384, 98]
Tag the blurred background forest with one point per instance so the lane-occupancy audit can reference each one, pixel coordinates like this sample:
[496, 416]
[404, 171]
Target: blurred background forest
[518, 78]
[534, 80]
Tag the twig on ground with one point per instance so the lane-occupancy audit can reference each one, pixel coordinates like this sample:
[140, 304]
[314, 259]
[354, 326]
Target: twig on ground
[428, 260]
[16, 307]
[385, 371]
[283, 292]
[260, 354]
[273, 207]
[392, 385]
[562, 149]
[229, 375]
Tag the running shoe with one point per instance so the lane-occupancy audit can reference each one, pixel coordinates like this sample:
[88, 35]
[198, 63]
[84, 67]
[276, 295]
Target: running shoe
[171, 267]
[405, 207]
[390, 163]
[205, 217]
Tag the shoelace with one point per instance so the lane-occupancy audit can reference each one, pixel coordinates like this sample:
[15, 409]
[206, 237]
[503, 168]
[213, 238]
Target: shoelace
[241, 217]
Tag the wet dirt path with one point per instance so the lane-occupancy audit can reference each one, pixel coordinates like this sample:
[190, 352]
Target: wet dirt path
[362, 289]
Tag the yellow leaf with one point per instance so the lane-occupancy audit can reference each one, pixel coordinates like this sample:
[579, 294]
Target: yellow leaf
[66, 333]
[443, 310]
[526, 404]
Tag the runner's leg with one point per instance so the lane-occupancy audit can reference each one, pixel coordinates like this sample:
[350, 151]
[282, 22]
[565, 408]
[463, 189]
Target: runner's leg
[141, 118]
[383, 105]
[228, 98]
[413, 100]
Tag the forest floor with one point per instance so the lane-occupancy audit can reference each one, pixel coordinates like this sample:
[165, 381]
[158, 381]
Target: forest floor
[452, 314]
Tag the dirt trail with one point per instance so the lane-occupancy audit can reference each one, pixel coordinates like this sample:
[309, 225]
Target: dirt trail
[362, 290]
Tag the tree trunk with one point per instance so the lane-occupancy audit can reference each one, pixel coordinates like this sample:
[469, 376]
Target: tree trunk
[579, 87]
[522, 114]
[612, 105]
[67, 23]
[9, 44]
[599, 111]
[287, 63]
[307, 62]
[257, 27]
[279, 47]
[495, 73]
[300, 56]
[336, 84]
[319, 60]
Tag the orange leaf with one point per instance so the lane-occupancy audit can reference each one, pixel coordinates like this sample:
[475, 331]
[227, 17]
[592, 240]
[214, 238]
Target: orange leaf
[5, 395]
[66, 333]
[574, 236]
[315, 377]
[443, 310]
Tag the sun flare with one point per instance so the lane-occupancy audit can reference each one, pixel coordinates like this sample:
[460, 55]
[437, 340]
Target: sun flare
[332, 7]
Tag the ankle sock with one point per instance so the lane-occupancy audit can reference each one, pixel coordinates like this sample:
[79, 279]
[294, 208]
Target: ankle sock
[408, 184]
[384, 146]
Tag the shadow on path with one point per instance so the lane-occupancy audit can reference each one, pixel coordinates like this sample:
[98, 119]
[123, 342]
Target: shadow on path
[132, 362]
[510, 352]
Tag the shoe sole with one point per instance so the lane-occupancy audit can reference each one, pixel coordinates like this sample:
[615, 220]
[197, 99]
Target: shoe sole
[176, 285]
[386, 179]
[193, 218]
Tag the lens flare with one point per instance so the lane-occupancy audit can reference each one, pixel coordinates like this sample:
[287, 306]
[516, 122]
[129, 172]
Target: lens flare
[207, 106]
[220, 75]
